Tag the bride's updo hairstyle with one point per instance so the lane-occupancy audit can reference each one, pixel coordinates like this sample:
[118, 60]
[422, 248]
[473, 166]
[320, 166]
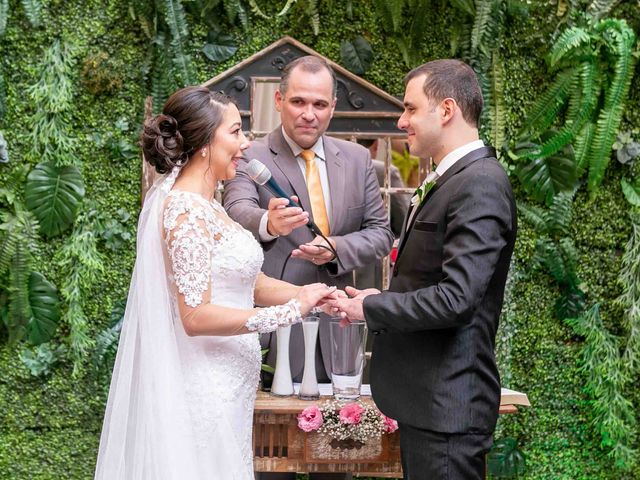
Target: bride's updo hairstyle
[188, 122]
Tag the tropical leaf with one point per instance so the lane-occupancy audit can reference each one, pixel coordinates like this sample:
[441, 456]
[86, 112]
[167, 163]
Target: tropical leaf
[220, 48]
[544, 177]
[631, 192]
[356, 55]
[54, 194]
[505, 459]
[44, 301]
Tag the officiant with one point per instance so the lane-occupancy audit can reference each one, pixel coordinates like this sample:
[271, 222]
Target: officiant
[335, 183]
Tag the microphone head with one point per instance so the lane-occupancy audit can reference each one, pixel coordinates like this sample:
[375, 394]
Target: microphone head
[258, 172]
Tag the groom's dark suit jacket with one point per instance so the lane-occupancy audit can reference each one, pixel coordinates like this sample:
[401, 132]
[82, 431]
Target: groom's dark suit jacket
[433, 363]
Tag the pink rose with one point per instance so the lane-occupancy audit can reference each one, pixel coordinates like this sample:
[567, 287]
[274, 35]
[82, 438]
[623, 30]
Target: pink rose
[390, 425]
[310, 419]
[351, 413]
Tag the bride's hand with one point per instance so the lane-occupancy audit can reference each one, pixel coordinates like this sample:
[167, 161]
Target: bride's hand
[311, 295]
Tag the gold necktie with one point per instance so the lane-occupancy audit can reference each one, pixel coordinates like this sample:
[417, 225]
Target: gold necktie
[316, 196]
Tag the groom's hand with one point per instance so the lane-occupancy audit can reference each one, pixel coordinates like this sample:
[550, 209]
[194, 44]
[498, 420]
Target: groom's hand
[351, 308]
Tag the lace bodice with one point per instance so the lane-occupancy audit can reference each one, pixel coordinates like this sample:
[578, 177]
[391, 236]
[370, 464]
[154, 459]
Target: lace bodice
[207, 248]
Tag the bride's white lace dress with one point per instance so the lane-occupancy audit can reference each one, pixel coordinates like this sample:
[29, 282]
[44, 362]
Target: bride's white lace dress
[208, 250]
[181, 407]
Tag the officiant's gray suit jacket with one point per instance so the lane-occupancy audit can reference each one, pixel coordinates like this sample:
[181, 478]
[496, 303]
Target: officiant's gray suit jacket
[358, 221]
[433, 363]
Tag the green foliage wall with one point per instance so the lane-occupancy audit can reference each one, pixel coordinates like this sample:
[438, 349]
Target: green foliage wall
[49, 429]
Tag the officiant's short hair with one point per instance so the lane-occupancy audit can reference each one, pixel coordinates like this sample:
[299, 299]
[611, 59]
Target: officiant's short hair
[449, 78]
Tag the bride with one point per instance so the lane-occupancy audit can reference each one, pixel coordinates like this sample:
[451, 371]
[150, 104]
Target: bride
[183, 388]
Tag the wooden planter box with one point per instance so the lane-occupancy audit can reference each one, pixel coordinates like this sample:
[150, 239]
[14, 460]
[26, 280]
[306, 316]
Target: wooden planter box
[280, 446]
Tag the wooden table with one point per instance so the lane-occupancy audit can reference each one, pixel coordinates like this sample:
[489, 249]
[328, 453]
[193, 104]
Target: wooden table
[280, 446]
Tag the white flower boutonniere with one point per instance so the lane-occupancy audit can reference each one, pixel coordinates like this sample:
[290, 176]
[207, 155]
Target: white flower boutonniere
[423, 189]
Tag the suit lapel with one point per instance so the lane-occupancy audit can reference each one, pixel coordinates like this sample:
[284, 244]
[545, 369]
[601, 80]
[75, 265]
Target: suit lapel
[336, 176]
[484, 152]
[288, 165]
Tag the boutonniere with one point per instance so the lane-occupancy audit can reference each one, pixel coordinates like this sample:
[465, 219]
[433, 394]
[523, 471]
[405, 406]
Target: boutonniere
[423, 189]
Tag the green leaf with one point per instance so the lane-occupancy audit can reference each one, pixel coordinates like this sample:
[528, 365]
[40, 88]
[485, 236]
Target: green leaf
[631, 192]
[221, 49]
[44, 300]
[357, 55]
[544, 177]
[54, 194]
[466, 6]
[4, 13]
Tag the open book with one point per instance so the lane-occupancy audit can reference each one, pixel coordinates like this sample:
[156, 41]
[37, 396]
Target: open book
[511, 397]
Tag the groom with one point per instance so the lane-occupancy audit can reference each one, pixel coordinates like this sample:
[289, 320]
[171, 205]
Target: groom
[433, 365]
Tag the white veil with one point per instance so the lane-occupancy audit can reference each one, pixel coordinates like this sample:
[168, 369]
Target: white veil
[147, 432]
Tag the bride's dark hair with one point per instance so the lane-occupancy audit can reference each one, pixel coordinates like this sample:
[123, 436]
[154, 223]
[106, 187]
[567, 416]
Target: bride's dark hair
[188, 121]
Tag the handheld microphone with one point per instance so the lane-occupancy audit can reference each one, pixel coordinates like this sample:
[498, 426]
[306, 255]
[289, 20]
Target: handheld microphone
[259, 173]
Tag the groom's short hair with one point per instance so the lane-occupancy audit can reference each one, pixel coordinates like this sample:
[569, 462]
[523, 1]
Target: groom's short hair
[449, 78]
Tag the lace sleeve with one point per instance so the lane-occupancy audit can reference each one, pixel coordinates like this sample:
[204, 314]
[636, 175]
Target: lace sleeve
[270, 318]
[189, 235]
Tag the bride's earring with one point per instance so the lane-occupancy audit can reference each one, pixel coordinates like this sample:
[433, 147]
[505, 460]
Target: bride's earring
[204, 152]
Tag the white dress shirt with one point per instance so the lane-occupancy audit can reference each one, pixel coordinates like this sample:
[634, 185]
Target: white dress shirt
[318, 149]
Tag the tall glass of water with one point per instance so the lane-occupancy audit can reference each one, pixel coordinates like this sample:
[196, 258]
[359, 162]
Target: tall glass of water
[347, 358]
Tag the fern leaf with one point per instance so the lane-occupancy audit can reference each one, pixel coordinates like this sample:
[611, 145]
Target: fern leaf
[8, 245]
[601, 8]
[258, 11]
[582, 144]
[286, 8]
[498, 115]
[535, 216]
[570, 40]
[558, 217]
[161, 82]
[480, 23]
[19, 308]
[175, 18]
[550, 104]
[4, 14]
[610, 116]
[312, 10]
[33, 10]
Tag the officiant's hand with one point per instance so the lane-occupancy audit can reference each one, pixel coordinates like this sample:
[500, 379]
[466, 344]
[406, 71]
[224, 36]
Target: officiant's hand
[351, 308]
[316, 251]
[283, 219]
